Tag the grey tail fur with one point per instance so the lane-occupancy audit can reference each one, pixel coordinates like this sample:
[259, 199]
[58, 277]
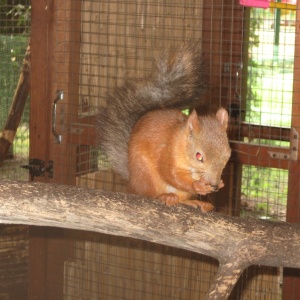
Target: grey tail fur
[178, 81]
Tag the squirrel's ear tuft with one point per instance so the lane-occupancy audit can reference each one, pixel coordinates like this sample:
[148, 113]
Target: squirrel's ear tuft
[193, 121]
[222, 116]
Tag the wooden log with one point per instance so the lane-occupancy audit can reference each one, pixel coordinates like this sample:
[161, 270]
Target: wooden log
[236, 242]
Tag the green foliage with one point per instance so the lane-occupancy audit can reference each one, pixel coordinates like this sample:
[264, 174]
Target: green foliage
[265, 189]
[12, 51]
[270, 71]
[22, 14]
[15, 16]
[262, 182]
[252, 96]
[255, 23]
[21, 142]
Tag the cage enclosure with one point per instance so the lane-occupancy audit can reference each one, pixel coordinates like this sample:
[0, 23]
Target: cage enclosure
[79, 52]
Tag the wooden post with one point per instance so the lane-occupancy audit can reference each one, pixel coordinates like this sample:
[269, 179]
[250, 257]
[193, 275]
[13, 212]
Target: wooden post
[55, 42]
[291, 279]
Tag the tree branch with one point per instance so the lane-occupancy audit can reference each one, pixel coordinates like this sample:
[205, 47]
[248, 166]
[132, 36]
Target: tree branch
[237, 243]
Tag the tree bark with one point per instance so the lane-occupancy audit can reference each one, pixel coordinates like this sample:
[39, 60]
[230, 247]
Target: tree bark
[237, 243]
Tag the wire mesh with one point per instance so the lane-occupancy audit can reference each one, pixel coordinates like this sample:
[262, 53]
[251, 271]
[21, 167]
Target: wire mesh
[114, 268]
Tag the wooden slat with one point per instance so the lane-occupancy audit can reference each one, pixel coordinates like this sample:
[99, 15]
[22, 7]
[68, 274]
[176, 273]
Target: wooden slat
[258, 155]
[83, 132]
[40, 106]
[65, 72]
[256, 131]
[41, 25]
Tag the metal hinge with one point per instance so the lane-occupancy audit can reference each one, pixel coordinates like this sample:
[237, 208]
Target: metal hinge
[293, 153]
[37, 168]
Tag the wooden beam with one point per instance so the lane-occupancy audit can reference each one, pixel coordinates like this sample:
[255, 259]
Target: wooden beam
[40, 120]
[260, 155]
[65, 72]
[41, 67]
[291, 279]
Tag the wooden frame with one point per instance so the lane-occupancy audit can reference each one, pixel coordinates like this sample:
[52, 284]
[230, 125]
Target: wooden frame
[54, 46]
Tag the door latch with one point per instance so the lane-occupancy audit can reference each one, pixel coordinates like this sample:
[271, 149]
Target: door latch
[37, 168]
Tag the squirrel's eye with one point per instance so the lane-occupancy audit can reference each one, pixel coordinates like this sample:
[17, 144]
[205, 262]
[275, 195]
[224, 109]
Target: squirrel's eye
[199, 157]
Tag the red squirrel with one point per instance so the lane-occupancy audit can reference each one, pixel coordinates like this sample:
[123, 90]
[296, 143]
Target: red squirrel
[160, 151]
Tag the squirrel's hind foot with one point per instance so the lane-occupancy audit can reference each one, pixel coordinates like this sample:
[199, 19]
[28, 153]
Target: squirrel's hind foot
[172, 199]
[204, 206]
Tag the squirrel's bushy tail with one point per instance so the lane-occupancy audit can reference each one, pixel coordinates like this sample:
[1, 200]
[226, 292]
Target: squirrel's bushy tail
[178, 81]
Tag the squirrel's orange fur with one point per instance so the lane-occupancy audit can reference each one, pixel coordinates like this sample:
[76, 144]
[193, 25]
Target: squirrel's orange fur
[163, 160]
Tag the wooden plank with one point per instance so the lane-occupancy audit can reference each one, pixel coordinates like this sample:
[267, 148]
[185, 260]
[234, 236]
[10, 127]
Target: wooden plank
[66, 56]
[40, 77]
[256, 131]
[60, 249]
[41, 32]
[83, 132]
[212, 45]
[259, 155]
[291, 279]
[37, 273]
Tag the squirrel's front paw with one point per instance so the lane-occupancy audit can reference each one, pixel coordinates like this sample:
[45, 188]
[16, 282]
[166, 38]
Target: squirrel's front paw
[202, 187]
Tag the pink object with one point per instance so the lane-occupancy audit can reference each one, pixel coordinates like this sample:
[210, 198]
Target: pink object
[294, 2]
[255, 3]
